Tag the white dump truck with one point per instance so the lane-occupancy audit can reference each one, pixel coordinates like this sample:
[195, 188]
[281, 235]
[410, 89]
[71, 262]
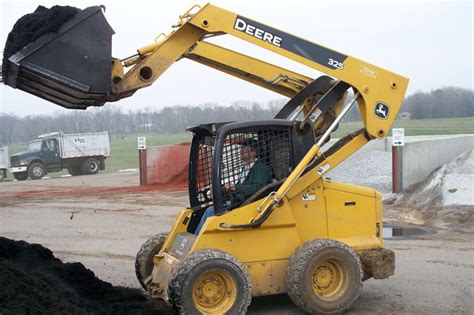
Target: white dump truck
[80, 154]
[3, 162]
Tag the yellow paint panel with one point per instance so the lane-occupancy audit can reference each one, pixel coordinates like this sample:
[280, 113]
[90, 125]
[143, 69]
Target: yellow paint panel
[310, 214]
[268, 277]
[275, 239]
[350, 214]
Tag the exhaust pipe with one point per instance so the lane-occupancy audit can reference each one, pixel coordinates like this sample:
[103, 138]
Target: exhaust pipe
[70, 66]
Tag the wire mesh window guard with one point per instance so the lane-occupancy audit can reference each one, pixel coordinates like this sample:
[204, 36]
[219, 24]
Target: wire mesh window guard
[204, 173]
[252, 160]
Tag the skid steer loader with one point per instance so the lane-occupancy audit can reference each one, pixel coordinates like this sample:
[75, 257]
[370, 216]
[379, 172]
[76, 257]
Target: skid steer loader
[300, 233]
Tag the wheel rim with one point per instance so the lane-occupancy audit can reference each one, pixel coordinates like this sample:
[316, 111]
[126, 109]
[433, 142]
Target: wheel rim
[92, 166]
[327, 279]
[214, 292]
[37, 171]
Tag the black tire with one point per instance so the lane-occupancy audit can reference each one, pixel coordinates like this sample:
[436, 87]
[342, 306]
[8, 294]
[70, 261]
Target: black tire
[324, 277]
[90, 166]
[20, 176]
[36, 170]
[74, 171]
[144, 259]
[210, 271]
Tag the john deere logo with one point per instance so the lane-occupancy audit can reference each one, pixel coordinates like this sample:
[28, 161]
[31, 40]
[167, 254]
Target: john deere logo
[382, 110]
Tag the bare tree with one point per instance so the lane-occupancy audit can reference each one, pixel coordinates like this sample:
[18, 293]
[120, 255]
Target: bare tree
[7, 127]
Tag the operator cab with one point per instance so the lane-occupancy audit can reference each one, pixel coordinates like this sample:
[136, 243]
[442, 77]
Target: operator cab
[215, 160]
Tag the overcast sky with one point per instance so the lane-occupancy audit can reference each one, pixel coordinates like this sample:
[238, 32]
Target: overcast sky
[430, 42]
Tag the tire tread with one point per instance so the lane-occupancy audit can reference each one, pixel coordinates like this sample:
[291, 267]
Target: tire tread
[296, 269]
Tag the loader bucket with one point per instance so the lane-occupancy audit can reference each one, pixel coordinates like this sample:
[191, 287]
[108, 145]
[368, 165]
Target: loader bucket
[70, 66]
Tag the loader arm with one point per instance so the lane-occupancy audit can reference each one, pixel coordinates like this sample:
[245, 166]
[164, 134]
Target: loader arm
[44, 69]
[266, 75]
[376, 85]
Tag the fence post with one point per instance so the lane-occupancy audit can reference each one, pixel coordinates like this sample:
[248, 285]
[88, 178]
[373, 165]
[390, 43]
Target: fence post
[397, 169]
[142, 167]
[398, 142]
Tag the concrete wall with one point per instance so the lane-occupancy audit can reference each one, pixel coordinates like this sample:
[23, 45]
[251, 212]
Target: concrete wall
[167, 164]
[423, 155]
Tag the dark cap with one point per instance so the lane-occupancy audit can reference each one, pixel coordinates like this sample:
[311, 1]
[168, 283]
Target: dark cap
[252, 143]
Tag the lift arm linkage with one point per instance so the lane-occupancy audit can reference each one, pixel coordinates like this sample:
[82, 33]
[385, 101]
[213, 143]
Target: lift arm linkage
[381, 91]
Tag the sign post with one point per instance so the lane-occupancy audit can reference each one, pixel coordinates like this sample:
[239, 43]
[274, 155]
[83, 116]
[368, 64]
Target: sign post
[398, 142]
[141, 141]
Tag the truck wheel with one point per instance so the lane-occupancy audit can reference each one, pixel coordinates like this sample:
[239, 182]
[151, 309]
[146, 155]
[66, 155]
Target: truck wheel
[74, 171]
[20, 175]
[144, 259]
[90, 166]
[210, 282]
[36, 171]
[324, 277]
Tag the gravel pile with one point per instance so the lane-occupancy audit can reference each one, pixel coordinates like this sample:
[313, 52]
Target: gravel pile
[450, 185]
[444, 199]
[366, 168]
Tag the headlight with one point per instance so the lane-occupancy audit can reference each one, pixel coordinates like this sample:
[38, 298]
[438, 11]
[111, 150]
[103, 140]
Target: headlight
[24, 163]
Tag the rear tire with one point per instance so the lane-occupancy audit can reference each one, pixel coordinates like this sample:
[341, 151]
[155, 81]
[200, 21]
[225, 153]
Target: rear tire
[144, 258]
[20, 176]
[90, 166]
[210, 282]
[36, 171]
[324, 277]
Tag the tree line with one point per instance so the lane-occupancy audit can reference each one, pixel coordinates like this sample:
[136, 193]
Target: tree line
[441, 103]
[14, 129]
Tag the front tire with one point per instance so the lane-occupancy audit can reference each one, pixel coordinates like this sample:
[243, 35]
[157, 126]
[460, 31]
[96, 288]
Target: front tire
[210, 282]
[144, 258]
[36, 171]
[324, 277]
[20, 176]
[90, 166]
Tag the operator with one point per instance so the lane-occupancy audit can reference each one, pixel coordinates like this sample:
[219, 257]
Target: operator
[255, 174]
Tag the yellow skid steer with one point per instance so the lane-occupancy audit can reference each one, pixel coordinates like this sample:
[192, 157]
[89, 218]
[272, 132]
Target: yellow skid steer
[294, 231]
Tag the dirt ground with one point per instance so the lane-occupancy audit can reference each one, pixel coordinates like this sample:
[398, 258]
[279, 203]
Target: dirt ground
[102, 220]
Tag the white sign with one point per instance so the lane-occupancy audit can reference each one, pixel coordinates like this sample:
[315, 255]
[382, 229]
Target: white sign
[323, 169]
[308, 197]
[141, 143]
[398, 137]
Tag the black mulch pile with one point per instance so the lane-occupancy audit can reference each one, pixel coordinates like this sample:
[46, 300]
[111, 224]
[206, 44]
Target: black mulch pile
[32, 26]
[33, 281]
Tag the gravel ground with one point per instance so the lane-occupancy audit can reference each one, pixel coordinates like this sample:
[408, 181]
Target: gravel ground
[103, 229]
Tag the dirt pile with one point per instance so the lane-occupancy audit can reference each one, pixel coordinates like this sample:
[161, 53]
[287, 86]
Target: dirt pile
[34, 281]
[444, 199]
[32, 26]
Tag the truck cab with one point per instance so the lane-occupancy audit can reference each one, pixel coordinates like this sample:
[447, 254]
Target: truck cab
[40, 157]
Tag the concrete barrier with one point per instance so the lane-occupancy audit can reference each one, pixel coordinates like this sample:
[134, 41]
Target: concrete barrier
[167, 164]
[422, 155]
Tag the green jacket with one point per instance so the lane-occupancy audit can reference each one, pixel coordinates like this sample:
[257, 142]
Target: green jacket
[259, 176]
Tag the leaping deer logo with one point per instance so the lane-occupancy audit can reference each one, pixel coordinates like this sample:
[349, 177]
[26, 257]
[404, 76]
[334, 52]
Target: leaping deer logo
[381, 110]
